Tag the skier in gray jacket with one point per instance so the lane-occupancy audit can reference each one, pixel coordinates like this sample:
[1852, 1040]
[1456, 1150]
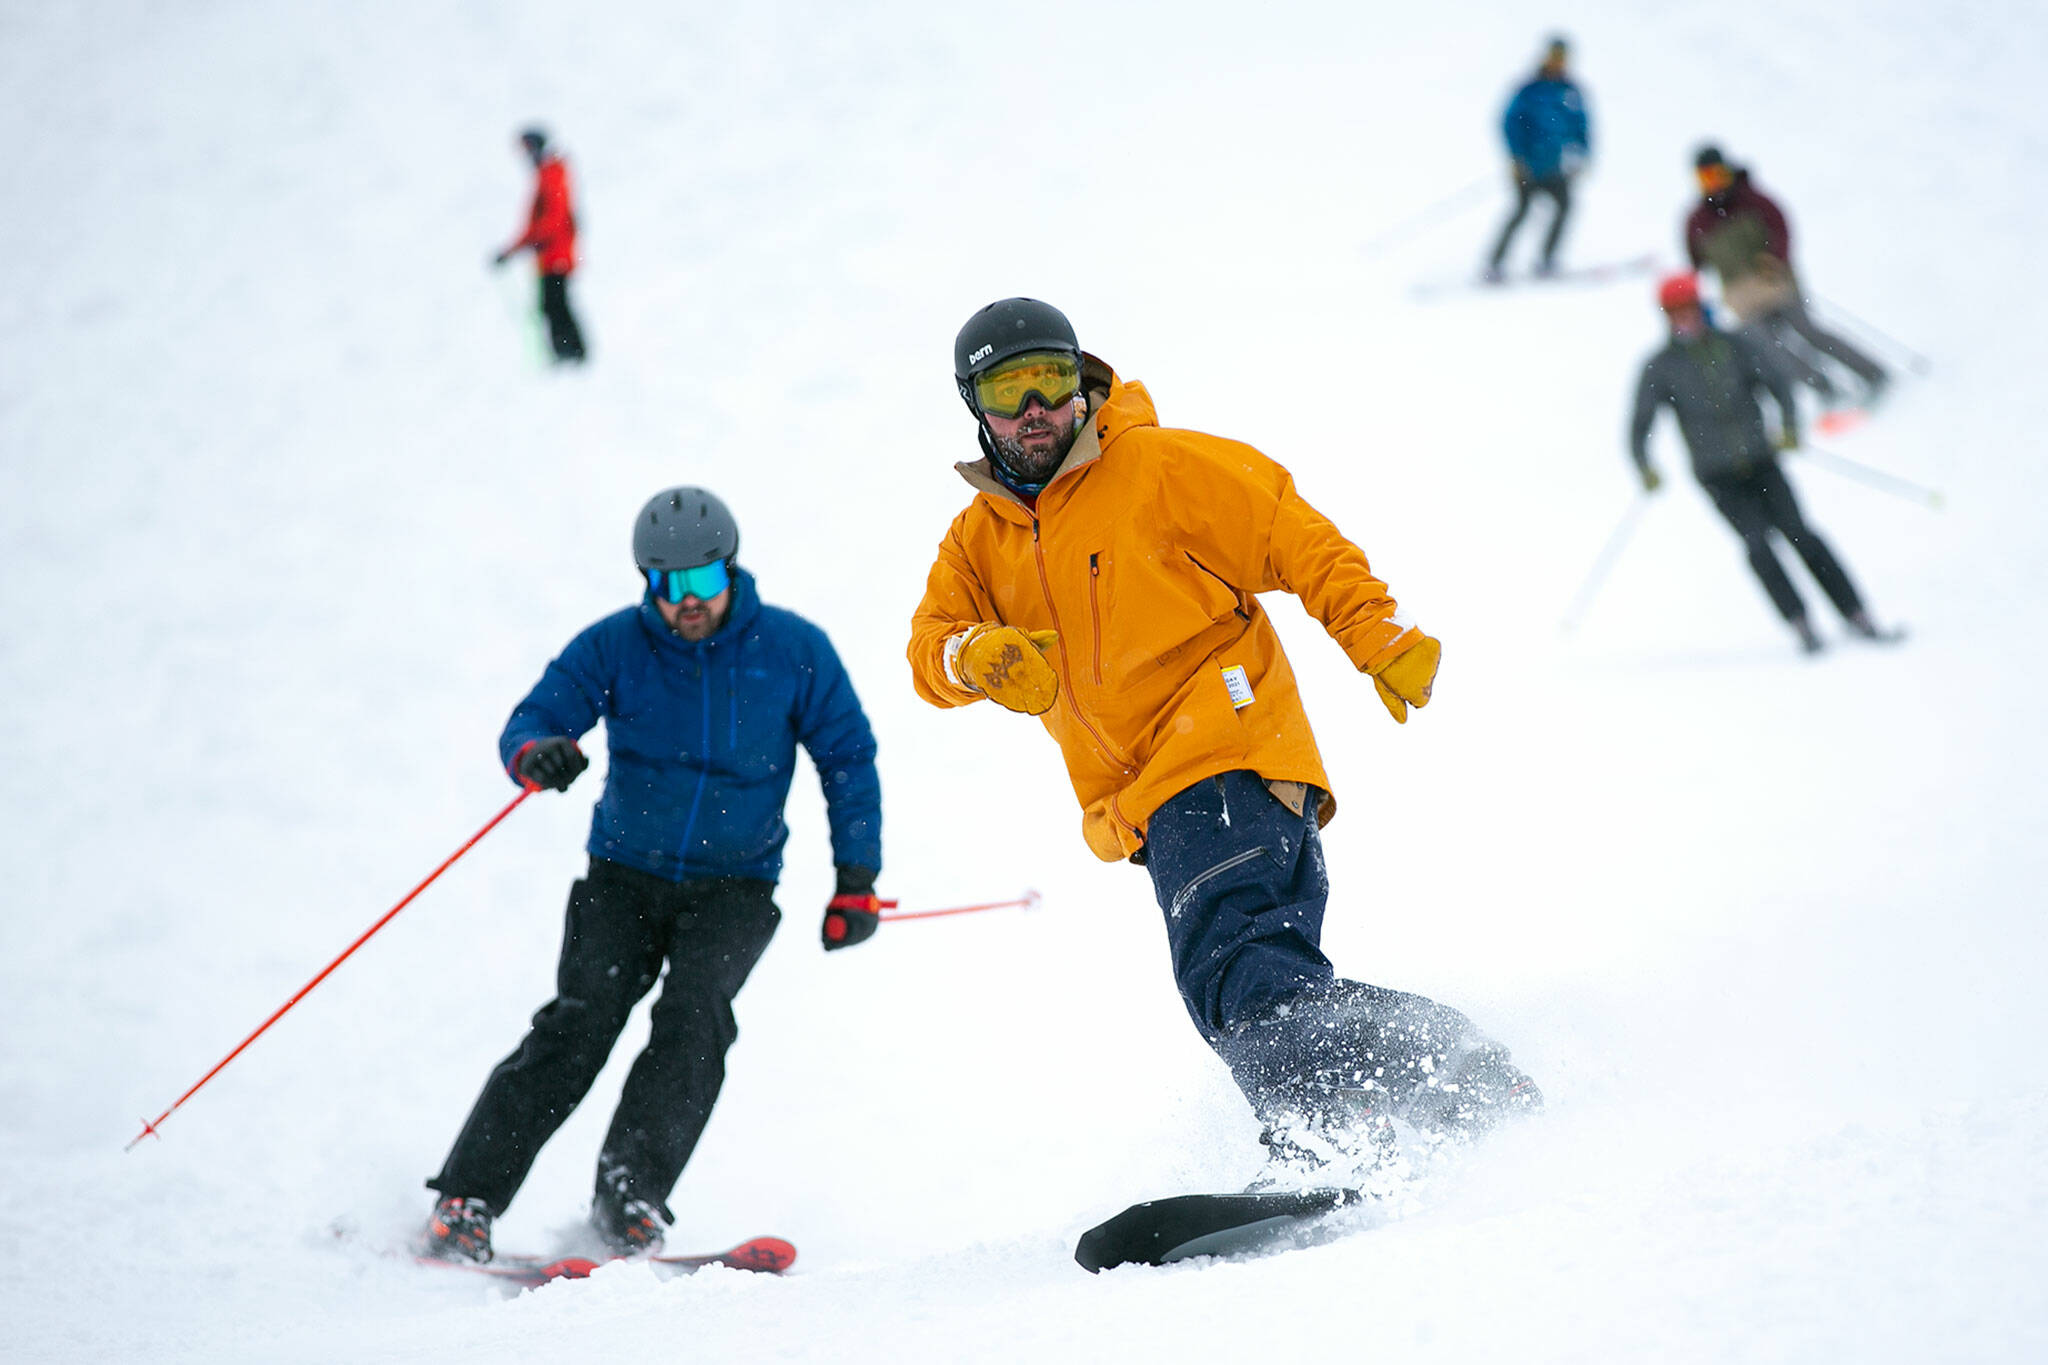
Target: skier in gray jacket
[1710, 379]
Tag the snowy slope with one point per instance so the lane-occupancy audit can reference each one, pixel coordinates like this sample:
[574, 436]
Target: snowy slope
[289, 517]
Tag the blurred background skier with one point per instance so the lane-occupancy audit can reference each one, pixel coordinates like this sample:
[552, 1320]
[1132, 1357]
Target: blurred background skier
[1548, 143]
[551, 236]
[705, 692]
[1711, 379]
[1741, 234]
[1105, 578]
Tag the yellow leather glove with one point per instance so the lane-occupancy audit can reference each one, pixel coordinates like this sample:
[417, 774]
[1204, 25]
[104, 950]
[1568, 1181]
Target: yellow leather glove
[1652, 480]
[1405, 680]
[1008, 666]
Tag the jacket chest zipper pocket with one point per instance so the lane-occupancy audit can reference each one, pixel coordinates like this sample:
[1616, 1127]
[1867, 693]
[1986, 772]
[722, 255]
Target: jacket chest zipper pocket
[1066, 677]
[1095, 610]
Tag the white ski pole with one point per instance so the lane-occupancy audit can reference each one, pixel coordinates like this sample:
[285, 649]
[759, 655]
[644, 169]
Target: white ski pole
[1605, 563]
[1447, 207]
[1876, 478]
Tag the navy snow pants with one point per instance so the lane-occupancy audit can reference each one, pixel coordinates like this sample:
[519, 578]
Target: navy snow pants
[1242, 882]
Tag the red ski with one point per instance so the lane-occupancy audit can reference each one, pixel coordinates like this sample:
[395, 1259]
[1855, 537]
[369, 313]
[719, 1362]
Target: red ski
[769, 1255]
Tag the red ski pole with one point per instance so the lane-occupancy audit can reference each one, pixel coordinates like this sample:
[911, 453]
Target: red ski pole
[149, 1127]
[1029, 900]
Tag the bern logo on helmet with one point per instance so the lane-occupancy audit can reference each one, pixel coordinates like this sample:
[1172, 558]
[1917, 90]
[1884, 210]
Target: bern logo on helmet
[980, 355]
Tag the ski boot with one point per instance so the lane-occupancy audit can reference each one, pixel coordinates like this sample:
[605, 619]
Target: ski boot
[458, 1230]
[628, 1225]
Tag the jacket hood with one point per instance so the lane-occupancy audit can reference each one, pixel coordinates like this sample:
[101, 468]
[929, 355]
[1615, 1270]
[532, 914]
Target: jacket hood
[1115, 406]
[746, 605]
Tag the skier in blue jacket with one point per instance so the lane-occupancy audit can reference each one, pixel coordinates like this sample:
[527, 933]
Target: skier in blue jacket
[705, 692]
[1548, 143]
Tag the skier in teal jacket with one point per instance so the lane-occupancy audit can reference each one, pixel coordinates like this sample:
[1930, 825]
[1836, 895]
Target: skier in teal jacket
[1548, 140]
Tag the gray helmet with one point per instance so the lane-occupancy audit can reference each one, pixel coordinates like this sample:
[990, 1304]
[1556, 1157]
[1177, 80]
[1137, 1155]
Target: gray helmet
[681, 528]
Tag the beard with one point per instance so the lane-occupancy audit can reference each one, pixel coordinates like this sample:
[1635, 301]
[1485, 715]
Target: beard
[1034, 453]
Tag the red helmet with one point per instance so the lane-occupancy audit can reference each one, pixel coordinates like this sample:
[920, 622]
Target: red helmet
[1679, 291]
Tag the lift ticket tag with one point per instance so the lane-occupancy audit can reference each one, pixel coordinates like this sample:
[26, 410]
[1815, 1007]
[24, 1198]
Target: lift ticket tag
[1240, 689]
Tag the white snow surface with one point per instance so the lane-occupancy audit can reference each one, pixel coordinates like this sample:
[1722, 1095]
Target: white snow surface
[290, 517]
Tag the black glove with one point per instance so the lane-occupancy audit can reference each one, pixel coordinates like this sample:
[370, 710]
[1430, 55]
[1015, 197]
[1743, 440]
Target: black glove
[554, 762]
[852, 915]
[499, 258]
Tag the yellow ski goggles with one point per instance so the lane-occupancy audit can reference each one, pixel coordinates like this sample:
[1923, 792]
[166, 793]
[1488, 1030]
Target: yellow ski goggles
[1053, 375]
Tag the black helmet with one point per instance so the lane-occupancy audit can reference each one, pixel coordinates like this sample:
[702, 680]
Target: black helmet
[1006, 328]
[682, 528]
[535, 138]
[1709, 155]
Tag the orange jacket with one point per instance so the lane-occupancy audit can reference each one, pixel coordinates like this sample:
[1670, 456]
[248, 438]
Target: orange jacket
[551, 223]
[1144, 553]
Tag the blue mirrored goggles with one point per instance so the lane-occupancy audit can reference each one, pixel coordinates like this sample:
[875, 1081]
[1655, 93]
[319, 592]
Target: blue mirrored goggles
[704, 582]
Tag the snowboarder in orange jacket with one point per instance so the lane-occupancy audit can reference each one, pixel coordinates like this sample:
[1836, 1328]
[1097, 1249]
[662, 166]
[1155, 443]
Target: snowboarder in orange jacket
[1105, 579]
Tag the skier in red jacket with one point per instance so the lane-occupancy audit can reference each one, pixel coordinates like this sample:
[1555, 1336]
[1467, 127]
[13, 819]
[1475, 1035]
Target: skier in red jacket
[551, 233]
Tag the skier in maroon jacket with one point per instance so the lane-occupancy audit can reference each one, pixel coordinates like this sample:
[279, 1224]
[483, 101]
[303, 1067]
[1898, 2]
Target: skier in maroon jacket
[1741, 233]
[551, 234]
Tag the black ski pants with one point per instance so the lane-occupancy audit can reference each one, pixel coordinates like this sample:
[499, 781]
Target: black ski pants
[563, 333]
[1559, 189]
[1761, 502]
[623, 925]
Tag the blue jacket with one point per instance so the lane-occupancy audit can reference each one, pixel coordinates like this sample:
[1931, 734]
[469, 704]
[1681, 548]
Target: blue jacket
[1545, 120]
[702, 737]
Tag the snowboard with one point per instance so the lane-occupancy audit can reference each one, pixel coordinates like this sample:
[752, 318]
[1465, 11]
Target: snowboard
[769, 1255]
[1162, 1231]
